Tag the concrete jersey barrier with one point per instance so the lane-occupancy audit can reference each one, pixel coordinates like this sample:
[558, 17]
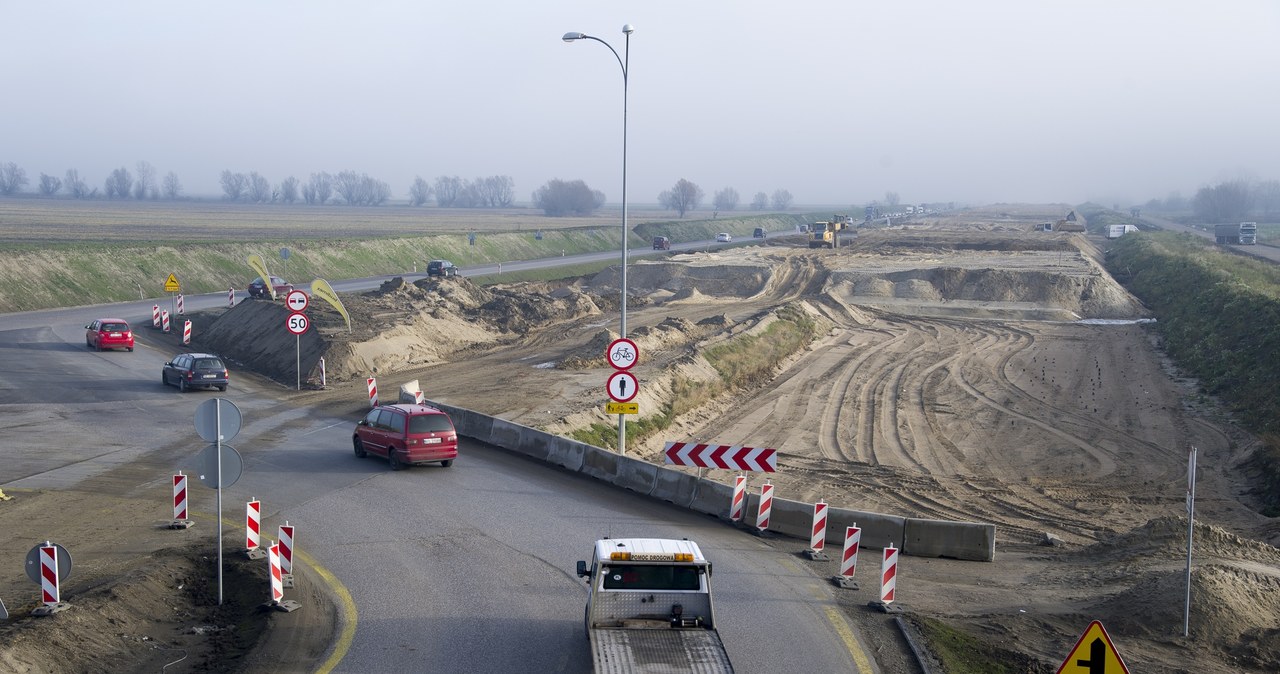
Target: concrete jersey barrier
[917, 537]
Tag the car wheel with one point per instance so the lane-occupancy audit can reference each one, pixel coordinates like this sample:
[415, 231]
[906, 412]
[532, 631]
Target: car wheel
[222, 388]
[164, 379]
[182, 385]
[88, 343]
[359, 447]
[396, 463]
[131, 348]
[446, 463]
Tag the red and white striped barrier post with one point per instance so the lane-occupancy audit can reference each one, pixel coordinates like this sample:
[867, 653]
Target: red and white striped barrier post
[181, 307]
[186, 333]
[155, 315]
[277, 583]
[818, 533]
[252, 526]
[373, 391]
[765, 508]
[231, 297]
[739, 498]
[419, 397]
[849, 560]
[180, 520]
[285, 543]
[49, 593]
[322, 379]
[889, 574]
[164, 320]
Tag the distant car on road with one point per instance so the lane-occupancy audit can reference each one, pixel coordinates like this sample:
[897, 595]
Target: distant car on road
[406, 435]
[442, 268]
[195, 370]
[661, 243]
[759, 233]
[723, 237]
[108, 333]
[258, 289]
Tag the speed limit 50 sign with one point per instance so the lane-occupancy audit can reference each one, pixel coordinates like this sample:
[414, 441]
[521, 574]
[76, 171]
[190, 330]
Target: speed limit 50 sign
[297, 323]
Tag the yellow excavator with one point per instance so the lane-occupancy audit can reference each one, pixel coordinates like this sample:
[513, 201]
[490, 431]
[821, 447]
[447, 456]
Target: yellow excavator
[827, 234]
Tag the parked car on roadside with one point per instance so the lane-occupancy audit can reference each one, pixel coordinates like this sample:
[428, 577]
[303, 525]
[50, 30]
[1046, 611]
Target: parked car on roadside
[723, 237]
[258, 289]
[195, 370]
[406, 435]
[661, 243]
[108, 333]
[442, 268]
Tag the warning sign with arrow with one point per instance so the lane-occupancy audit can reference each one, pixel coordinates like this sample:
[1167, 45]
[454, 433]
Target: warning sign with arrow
[1094, 654]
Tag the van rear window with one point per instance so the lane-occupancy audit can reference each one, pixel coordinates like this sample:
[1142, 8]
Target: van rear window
[429, 423]
[644, 577]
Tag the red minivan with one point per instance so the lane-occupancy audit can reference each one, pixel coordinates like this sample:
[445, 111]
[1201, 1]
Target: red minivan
[108, 333]
[406, 435]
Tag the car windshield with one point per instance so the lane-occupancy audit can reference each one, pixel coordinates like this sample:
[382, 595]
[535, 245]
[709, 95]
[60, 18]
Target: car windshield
[645, 577]
[208, 364]
[429, 423]
[257, 281]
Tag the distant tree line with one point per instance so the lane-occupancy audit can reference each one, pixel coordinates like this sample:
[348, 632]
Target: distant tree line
[1228, 201]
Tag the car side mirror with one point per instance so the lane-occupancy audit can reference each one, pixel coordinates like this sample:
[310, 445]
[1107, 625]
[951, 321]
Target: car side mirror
[88, 326]
[362, 422]
[582, 569]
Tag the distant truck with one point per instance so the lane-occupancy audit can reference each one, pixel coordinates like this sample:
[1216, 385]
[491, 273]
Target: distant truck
[827, 234]
[649, 608]
[1244, 234]
[1117, 231]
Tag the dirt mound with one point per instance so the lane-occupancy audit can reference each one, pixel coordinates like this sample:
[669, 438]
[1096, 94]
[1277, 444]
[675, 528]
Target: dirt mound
[706, 274]
[1167, 536]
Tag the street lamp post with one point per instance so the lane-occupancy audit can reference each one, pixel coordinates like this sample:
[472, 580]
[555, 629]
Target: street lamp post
[624, 61]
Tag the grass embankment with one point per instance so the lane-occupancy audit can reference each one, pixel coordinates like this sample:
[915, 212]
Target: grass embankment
[745, 361]
[69, 274]
[1219, 319]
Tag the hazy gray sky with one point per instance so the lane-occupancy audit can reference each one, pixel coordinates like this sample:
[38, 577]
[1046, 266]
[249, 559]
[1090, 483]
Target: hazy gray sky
[837, 101]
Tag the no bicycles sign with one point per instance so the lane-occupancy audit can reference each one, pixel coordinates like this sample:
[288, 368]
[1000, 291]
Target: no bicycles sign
[622, 354]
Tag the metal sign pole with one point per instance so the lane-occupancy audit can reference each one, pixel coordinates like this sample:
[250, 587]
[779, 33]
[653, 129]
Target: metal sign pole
[1191, 521]
[297, 364]
[218, 517]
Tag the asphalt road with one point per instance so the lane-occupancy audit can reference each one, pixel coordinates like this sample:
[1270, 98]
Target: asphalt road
[466, 568]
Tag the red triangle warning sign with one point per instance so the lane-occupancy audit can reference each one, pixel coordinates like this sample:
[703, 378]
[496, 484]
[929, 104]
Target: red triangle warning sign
[1094, 654]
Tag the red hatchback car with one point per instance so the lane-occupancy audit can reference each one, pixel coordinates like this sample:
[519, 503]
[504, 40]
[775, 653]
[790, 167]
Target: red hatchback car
[406, 435]
[108, 333]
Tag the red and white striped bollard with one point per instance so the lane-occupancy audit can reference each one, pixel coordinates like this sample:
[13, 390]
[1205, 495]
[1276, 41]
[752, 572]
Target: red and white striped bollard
[50, 595]
[182, 309]
[180, 520]
[322, 378]
[739, 498]
[765, 508]
[186, 332]
[155, 315]
[419, 397]
[849, 560]
[231, 297]
[818, 533]
[889, 574]
[286, 548]
[164, 320]
[373, 391]
[277, 583]
[253, 525]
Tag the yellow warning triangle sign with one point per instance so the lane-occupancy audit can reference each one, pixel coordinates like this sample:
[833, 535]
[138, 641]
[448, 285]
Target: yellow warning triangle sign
[171, 284]
[1094, 654]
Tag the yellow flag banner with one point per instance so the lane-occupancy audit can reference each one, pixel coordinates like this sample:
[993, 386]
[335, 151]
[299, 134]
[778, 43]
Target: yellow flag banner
[257, 265]
[321, 288]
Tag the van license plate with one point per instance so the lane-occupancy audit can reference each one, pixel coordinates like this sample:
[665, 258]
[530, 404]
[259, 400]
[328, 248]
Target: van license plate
[430, 441]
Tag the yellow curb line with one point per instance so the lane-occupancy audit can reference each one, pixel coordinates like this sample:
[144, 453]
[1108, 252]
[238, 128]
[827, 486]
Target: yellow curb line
[850, 640]
[347, 609]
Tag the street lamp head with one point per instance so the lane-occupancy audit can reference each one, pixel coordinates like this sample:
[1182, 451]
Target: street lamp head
[570, 37]
[628, 29]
